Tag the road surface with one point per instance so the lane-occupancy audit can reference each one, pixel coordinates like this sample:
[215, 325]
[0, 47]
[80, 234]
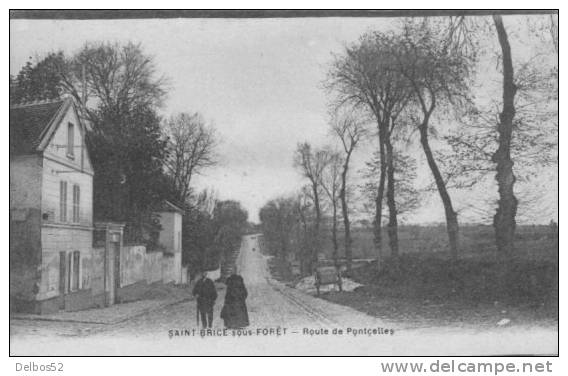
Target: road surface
[273, 303]
[283, 320]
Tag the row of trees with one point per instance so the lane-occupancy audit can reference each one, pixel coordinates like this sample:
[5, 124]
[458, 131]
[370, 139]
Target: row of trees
[389, 87]
[139, 158]
[212, 231]
[400, 79]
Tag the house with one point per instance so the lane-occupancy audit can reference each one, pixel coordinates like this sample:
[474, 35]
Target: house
[51, 208]
[170, 238]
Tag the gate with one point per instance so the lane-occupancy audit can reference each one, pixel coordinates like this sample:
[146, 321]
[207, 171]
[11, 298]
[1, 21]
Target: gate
[109, 235]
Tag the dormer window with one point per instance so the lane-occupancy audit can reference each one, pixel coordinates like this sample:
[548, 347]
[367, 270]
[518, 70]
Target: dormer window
[70, 140]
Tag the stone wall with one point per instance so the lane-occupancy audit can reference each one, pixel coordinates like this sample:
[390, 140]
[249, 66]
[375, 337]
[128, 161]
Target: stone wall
[137, 266]
[132, 265]
[97, 279]
[168, 272]
[153, 267]
[185, 277]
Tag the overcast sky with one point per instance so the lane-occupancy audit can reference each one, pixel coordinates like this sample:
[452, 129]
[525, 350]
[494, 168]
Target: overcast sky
[257, 80]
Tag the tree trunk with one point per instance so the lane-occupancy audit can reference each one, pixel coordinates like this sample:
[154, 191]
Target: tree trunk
[504, 219]
[316, 248]
[305, 267]
[334, 236]
[451, 216]
[391, 203]
[377, 225]
[345, 212]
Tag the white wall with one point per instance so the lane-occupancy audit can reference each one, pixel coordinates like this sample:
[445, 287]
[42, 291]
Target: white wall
[55, 240]
[53, 174]
[153, 267]
[57, 147]
[170, 235]
[76, 169]
[132, 264]
[177, 233]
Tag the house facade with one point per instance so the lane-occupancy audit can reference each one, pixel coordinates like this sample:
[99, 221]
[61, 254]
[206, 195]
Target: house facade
[51, 208]
[170, 238]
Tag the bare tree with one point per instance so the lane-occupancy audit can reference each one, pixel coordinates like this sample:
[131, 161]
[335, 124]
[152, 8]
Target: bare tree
[331, 184]
[525, 139]
[437, 73]
[365, 77]
[287, 225]
[278, 217]
[191, 149]
[532, 142]
[304, 211]
[504, 220]
[311, 164]
[111, 78]
[350, 131]
[408, 196]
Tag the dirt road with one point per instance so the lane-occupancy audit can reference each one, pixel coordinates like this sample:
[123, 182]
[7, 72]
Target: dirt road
[283, 320]
[272, 303]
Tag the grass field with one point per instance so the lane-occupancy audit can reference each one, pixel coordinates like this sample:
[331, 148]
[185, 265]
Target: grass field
[427, 288]
[537, 241]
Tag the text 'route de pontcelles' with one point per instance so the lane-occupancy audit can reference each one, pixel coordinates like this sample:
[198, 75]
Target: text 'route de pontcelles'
[279, 332]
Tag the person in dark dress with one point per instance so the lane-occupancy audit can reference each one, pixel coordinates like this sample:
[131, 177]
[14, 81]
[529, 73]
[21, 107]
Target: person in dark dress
[234, 312]
[206, 294]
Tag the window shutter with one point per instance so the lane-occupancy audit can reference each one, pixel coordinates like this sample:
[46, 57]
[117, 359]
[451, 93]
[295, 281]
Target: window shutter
[76, 266]
[63, 201]
[76, 203]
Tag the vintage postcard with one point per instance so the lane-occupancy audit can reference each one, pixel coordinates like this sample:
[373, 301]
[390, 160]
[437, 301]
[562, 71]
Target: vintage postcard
[283, 182]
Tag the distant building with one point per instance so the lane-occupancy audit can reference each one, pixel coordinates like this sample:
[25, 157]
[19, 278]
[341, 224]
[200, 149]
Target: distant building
[51, 208]
[171, 239]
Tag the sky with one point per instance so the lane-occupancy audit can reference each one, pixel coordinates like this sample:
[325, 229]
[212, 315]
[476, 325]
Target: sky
[258, 81]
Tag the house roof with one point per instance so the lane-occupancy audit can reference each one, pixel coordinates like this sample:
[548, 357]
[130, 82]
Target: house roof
[167, 206]
[30, 122]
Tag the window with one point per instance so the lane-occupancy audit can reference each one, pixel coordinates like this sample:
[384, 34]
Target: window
[63, 201]
[76, 203]
[63, 273]
[69, 271]
[74, 271]
[70, 140]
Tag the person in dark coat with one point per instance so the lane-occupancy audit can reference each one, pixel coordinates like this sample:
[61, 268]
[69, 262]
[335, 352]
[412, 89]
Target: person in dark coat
[234, 312]
[206, 294]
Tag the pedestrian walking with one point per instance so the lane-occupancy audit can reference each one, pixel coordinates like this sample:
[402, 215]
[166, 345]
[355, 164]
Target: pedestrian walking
[234, 312]
[206, 294]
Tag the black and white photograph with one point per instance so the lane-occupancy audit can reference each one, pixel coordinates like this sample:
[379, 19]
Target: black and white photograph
[284, 183]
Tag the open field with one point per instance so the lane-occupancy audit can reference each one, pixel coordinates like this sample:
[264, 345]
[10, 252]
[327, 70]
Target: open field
[538, 241]
[426, 288]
